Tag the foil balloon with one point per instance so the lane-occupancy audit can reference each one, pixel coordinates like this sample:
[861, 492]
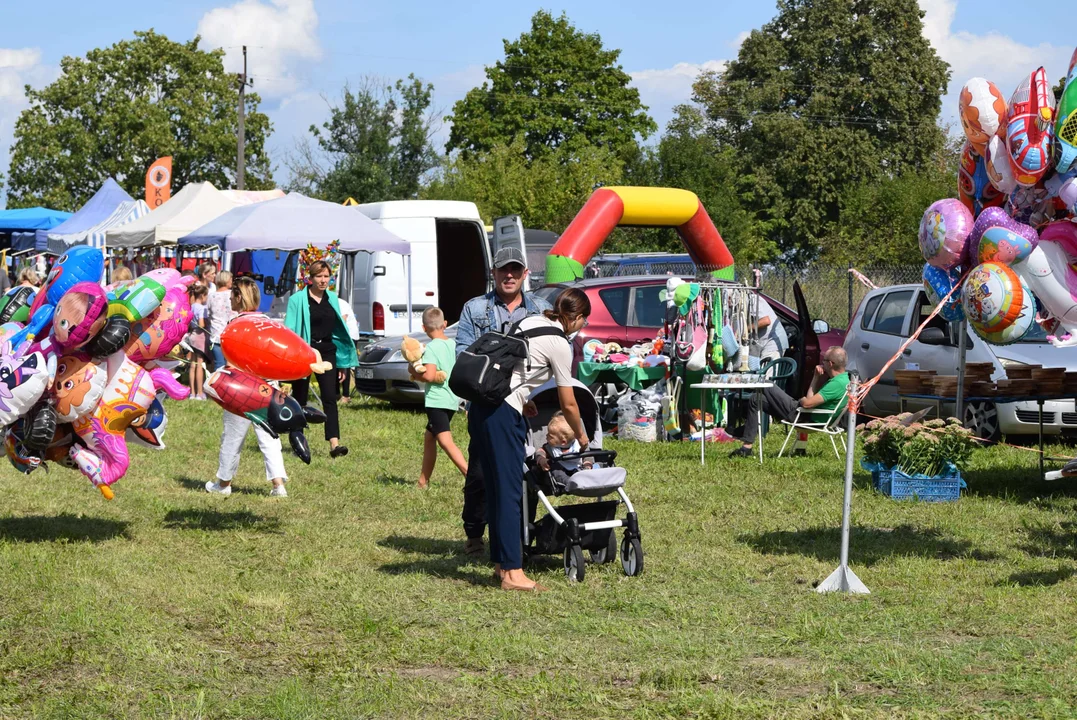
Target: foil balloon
[155, 335]
[267, 349]
[148, 430]
[242, 394]
[1049, 272]
[938, 283]
[982, 110]
[1030, 128]
[1008, 241]
[79, 264]
[112, 338]
[23, 380]
[992, 298]
[136, 300]
[103, 456]
[39, 425]
[1065, 145]
[15, 304]
[1030, 205]
[997, 164]
[78, 387]
[974, 187]
[943, 232]
[79, 316]
[1025, 320]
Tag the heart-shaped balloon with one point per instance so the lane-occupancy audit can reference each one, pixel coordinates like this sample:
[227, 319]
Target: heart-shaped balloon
[996, 217]
[1004, 246]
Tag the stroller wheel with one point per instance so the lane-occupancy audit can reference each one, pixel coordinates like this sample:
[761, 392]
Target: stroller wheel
[574, 565]
[631, 556]
[606, 554]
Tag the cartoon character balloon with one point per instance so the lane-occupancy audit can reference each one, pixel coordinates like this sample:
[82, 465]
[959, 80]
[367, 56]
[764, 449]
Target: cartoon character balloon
[15, 304]
[1065, 145]
[993, 298]
[243, 394]
[267, 349]
[155, 335]
[23, 379]
[943, 232]
[996, 237]
[1049, 272]
[938, 283]
[79, 264]
[982, 109]
[999, 170]
[973, 184]
[79, 316]
[1030, 128]
[78, 387]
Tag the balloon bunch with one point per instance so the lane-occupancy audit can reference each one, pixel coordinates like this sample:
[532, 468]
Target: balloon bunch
[331, 255]
[257, 350]
[77, 395]
[1012, 227]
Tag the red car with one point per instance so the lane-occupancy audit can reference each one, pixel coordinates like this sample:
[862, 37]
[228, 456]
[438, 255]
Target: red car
[627, 310]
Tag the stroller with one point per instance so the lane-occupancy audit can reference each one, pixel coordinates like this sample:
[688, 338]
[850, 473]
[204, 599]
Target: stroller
[571, 529]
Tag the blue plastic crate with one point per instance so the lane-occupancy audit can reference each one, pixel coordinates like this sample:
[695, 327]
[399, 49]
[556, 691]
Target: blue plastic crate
[940, 488]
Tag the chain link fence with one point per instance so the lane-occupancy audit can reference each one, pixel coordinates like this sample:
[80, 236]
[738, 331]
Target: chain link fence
[831, 291]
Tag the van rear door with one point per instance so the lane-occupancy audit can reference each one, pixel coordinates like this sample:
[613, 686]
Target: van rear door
[509, 232]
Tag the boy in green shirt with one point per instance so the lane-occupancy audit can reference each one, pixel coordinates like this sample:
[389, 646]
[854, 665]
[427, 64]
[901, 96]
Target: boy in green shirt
[441, 404]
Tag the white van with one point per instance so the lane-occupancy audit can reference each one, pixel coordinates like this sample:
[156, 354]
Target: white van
[450, 262]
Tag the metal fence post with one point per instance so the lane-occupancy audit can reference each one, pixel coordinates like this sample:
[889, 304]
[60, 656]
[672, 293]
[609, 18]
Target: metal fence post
[849, 281]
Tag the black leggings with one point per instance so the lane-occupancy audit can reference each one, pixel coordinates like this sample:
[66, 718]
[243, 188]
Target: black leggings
[327, 388]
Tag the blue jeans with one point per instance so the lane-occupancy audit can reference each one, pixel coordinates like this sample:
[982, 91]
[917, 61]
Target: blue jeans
[500, 434]
[218, 356]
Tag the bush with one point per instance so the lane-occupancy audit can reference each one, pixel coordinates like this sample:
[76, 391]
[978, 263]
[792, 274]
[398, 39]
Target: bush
[917, 448]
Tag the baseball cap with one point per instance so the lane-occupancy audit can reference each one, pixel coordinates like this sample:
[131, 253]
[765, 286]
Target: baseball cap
[508, 255]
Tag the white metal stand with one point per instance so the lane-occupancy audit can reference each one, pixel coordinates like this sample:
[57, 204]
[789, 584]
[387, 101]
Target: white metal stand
[843, 579]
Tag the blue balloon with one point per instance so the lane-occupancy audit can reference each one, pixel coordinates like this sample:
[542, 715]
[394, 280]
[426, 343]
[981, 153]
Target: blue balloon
[939, 282]
[79, 264]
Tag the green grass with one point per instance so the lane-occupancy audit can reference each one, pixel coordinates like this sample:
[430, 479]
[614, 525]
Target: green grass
[351, 598]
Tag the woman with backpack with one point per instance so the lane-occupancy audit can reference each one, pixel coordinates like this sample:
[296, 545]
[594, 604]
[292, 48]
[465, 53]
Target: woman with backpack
[500, 431]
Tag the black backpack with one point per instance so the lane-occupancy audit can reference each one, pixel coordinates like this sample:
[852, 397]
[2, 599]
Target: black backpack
[483, 372]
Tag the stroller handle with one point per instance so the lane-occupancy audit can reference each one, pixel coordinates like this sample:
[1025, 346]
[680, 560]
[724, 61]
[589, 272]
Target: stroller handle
[598, 455]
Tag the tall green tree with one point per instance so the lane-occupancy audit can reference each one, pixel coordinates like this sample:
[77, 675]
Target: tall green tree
[556, 86]
[376, 145]
[547, 192]
[115, 111]
[828, 96]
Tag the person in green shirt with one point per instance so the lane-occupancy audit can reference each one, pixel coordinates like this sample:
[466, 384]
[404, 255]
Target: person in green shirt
[441, 404]
[826, 392]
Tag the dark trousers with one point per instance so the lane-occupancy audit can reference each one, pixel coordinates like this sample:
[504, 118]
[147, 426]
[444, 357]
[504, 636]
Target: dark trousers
[501, 433]
[474, 514]
[327, 388]
[776, 403]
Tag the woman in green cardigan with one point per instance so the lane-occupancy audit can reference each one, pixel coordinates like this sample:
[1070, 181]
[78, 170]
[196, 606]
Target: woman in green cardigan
[314, 315]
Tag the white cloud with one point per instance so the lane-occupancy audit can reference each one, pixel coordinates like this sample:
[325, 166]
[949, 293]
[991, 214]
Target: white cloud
[281, 37]
[18, 67]
[673, 83]
[997, 57]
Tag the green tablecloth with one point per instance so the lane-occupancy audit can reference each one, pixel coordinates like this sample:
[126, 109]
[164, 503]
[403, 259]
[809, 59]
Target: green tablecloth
[636, 378]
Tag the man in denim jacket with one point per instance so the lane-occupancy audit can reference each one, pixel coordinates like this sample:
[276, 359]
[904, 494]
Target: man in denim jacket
[497, 310]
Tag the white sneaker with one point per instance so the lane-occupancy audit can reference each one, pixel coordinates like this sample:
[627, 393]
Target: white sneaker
[278, 491]
[214, 487]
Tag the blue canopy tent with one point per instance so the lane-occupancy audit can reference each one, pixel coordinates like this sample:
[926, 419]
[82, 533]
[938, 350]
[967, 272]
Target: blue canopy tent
[23, 224]
[98, 208]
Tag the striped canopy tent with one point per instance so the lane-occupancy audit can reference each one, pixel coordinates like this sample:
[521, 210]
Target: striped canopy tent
[72, 231]
[94, 236]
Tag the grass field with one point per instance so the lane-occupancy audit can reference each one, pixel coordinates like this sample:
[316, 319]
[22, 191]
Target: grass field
[351, 598]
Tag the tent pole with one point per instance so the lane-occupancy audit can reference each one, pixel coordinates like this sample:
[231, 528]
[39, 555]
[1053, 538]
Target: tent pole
[409, 295]
[962, 343]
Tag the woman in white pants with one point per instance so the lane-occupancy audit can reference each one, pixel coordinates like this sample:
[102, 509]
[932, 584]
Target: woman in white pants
[245, 300]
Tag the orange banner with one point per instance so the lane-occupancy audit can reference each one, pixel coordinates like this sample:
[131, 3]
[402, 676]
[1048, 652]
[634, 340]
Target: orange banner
[159, 182]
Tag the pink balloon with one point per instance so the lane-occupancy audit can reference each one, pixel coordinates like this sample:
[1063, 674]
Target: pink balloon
[995, 217]
[944, 231]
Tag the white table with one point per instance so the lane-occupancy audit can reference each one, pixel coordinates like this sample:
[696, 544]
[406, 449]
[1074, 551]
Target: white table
[758, 387]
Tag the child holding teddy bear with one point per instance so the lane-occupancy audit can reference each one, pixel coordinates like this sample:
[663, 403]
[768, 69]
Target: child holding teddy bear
[433, 368]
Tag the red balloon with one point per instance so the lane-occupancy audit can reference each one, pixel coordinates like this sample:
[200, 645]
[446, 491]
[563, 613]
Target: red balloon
[267, 349]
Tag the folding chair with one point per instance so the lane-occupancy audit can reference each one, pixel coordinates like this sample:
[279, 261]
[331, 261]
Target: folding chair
[827, 422]
[778, 372]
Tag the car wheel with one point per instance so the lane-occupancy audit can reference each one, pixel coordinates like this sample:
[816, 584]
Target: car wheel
[982, 419]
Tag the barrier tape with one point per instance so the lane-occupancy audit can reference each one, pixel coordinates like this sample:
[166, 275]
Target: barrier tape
[855, 399]
[863, 279]
[983, 440]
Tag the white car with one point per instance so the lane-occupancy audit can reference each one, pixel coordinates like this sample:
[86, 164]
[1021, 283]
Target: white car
[885, 319]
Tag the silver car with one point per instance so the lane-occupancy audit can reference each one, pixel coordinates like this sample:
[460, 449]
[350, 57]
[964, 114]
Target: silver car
[885, 319]
[383, 373]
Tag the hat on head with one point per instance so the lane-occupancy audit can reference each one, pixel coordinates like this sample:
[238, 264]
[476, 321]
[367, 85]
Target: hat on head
[508, 255]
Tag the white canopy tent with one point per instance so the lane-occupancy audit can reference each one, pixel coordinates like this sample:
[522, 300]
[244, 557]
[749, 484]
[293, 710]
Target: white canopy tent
[190, 208]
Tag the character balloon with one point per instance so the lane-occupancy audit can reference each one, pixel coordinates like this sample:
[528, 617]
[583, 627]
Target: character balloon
[943, 233]
[1030, 128]
[996, 237]
[999, 170]
[938, 283]
[79, 264]
[982, 110]
[973, 184]
[15, 304]
[1049, 272]
[993, 298]
[267, 349]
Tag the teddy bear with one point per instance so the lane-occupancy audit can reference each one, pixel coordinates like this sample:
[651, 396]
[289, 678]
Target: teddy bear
[413, 350]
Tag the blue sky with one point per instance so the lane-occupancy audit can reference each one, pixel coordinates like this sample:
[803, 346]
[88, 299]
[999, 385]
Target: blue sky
[301, 51]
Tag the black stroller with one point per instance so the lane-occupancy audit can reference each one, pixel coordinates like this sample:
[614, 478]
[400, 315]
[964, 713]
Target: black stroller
[571, 529]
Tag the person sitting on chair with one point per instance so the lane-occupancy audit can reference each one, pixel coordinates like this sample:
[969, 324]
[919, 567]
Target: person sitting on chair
[826, 391]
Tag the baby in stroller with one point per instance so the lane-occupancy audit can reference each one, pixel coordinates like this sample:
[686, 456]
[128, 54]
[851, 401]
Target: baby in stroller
[561, 441]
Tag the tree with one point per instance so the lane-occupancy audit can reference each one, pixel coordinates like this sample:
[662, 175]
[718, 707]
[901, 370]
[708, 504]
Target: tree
[375, 146]
[828, 96]
[547, 192]
[114, 112]
[556, 86]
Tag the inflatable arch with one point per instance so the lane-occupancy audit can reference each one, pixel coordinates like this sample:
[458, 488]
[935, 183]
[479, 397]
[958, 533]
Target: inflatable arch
[610, 207]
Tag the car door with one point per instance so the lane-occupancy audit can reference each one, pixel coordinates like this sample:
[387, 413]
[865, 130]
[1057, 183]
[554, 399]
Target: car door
[940, 358]
[880, 341]
[509, 232]
[805, 348]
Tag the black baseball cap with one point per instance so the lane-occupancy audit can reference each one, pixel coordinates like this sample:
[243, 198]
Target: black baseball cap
[508, 256]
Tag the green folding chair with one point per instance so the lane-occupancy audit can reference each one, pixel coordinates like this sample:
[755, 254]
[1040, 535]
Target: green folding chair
[779, 372]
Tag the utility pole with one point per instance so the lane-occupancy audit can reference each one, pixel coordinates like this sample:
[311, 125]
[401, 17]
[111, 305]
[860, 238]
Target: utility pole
[241, 150]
